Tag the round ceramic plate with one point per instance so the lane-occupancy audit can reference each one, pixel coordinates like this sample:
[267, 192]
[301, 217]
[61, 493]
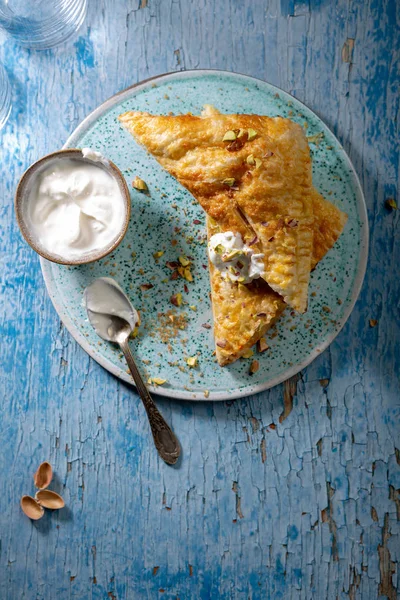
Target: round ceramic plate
[169, 220]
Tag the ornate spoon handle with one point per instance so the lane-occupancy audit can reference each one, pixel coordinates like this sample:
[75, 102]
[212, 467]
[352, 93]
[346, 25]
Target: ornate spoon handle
[164, 438]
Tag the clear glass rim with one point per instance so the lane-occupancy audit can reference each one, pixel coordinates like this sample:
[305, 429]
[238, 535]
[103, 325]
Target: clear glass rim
[46, 33]
[5, 97]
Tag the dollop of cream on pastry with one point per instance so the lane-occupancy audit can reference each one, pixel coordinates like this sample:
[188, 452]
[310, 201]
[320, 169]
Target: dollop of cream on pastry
[235, 259]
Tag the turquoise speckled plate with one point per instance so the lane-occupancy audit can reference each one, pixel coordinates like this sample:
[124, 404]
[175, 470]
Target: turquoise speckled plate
[171, 221]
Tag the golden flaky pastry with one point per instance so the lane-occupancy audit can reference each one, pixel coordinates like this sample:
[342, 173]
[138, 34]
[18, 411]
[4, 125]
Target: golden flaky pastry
[257, 183]
[244, 313]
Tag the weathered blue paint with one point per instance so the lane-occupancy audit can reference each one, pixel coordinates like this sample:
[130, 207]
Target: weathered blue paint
[223, 524]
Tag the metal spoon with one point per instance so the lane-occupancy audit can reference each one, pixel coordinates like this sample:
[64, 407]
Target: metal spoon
[113, 318]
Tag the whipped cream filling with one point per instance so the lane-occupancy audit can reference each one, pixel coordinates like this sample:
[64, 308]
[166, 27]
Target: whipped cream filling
[235, 259]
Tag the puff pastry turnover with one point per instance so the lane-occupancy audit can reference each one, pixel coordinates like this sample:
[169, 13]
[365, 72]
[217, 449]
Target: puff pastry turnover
[256, 183]
[244, 313]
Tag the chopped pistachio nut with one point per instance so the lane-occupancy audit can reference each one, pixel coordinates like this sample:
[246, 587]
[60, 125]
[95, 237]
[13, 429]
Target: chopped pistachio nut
[250, 160]
[176, 299]
[191, 361]
[206, 393]
[229, 181]
[229, 136]
[158, 254]
[258, 162]
[255, 365]
[252, 134]
[316, 138]
[241, 133]
[219, 249]
[231, 255]
[187, 274]
[139, 184]
[156, 381]
[193, 307]
[248, 354]
[185, 262]
[391, 203]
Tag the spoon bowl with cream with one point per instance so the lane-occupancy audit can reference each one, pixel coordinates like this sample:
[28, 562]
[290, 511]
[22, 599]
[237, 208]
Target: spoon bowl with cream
[73, 206]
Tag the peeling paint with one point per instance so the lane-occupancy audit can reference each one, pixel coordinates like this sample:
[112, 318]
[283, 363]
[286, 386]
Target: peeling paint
[289, 392]
[394, 495]
[347, 50]
[235, 489]
[327, 517]
[263, 450]
[386, 566]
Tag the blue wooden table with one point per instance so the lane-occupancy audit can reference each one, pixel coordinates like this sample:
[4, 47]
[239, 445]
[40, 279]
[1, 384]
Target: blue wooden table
[294, 493]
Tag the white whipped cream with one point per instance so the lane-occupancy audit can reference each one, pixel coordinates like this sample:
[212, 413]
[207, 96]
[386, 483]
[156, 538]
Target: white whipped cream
[235, 259]
[94, 156]
[75, 208]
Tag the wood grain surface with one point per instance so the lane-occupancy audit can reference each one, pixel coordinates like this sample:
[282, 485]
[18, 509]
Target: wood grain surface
[294, 493]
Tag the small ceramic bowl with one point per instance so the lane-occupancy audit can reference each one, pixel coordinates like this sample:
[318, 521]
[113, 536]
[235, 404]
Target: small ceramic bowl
[22, 196]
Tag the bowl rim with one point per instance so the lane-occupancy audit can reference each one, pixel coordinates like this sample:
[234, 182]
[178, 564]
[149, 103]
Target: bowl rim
[22, 224]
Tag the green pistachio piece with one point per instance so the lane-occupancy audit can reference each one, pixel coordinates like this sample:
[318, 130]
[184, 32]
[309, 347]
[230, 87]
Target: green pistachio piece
[316, 138]
[229, 136]
[191, 361]
[231, 255]
[258, 162]
[252, 133]
[156, 381]
[185, 262]
[139, 184]
[250, 160]
[229, 181]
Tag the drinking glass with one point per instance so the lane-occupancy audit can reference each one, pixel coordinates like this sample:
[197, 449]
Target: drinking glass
[5, 97]
[42, 24]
